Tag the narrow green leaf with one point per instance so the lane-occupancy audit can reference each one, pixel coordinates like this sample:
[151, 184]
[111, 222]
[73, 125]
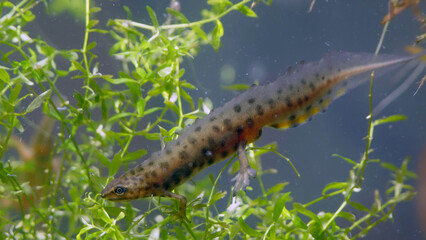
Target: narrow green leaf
[165, 71]
[134, 155]
[236, 87]
[219, 2]
[92, 23]
[299, 223]
[393, 118]
[248, 230]
[390, 166]
[140, 106]
[77, 66]
[95, 9]
[25, 80]
[120, 80]
[349, 216]
[99, 31]
[217, 196]
[279, 205]
[129, 13]
[172, 106]
[119, 115]
[4, 76]
[115, 164]
[177, 15]
[246, 11]
[61, 73]
[104, 160]
[187, 97]
[91, 45]
[334, 185]
[152, 16]
[69, 55]
[211, 178]
[277, 188]
[28, 16]
[216, 35]
[315, 229]
[359, 206]
[346, 159]
[14, 93]
[151, 110]
[301, 209]
[38, 101]
[200, 33]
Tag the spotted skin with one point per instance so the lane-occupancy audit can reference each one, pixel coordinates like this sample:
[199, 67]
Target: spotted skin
[288, 102]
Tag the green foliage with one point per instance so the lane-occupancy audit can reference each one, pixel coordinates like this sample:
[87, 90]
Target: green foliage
[69, 205]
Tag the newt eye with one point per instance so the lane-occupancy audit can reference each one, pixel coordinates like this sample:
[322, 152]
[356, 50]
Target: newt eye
[120, 190]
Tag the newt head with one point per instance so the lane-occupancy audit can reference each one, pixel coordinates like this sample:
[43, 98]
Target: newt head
[128, 186]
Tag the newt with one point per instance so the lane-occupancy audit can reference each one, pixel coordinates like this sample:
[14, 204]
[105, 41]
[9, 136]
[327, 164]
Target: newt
[287, 102]
[36, 164]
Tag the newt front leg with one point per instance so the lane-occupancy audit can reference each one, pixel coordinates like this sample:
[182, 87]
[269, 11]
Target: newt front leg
[182, 203]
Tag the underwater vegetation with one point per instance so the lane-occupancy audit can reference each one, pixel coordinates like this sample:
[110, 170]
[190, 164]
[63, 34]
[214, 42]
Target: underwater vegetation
[74, 118]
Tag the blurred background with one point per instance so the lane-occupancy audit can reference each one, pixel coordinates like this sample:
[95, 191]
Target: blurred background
[259, 50]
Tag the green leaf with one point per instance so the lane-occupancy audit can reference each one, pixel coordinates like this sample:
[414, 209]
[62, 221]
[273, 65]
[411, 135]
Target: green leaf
[152, 16]
[151, 110]
[140, 107]
[200, 33]
[393, 118]
[120, 80]
[90, 46]
[216, 35]
[301, 209]
[236, 87]
[77, 66]
[279, 206]
[28, 16]
[61, 73]
[38, 101]
[119, 115]
[248, 230]
[104, 160]
[92, 23]
[177, 15]
[134, 155]
[14, 93]
[129, 13]
[334, 185]
[219, 2]
[315, 229]
[217, 196]
[346, 159]
[349, 216]
[246, 11]
[390, 166]
[359, 206]
[115, 164]
[277, 188]
[299, 223]
[69, 55]
[4, 76]
[95, 9]
[165, 71]
[172, 106]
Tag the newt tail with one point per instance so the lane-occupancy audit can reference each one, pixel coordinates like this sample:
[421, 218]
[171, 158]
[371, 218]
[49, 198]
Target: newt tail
[287, 102]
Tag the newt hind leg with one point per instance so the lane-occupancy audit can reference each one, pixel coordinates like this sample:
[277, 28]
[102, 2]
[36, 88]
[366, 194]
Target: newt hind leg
[242, 179]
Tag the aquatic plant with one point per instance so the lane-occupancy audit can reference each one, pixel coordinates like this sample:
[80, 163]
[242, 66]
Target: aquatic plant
[110, 112]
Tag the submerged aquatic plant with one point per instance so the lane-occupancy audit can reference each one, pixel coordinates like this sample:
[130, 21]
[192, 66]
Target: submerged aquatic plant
[151, 57]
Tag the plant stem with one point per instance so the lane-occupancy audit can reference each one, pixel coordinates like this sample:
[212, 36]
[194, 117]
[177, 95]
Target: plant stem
[183, 25]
